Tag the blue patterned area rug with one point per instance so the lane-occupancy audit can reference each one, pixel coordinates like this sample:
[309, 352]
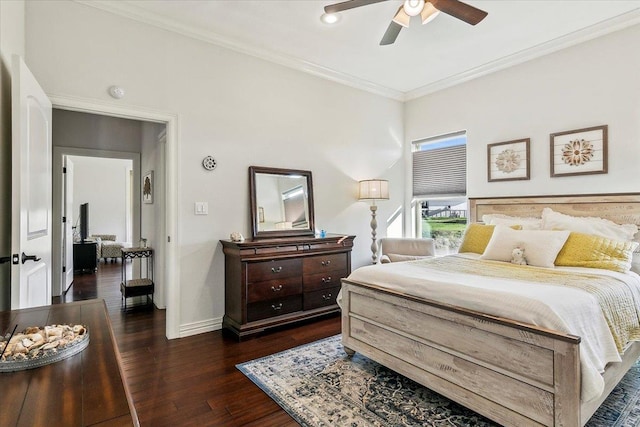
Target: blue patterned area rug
[318, 385]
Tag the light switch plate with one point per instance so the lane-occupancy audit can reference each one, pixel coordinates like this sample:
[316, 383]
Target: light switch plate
[202, 208]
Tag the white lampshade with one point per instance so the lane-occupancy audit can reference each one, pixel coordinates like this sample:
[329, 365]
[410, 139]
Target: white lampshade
[402, 18]
[428, 13]
[374, 189]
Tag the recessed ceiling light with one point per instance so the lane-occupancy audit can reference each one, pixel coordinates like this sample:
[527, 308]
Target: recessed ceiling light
[330, 18]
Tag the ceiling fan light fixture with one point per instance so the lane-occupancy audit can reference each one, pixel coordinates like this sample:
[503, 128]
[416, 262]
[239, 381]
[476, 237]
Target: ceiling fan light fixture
[330, 18]
[402, 18]
[428, 14]
[413, 7]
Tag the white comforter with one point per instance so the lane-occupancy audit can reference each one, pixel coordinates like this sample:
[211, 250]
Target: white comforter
[563, 309]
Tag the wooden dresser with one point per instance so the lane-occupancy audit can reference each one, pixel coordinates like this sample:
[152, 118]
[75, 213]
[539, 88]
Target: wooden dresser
[272, 282]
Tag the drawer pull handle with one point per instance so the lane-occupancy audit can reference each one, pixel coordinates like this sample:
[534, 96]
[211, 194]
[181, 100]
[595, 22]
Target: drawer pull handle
[326, 297]
[276, 307]
[325, 263]
[276, 269]
[274, 289]
[327, 280]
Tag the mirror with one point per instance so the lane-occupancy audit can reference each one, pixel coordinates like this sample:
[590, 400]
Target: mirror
[281, 202]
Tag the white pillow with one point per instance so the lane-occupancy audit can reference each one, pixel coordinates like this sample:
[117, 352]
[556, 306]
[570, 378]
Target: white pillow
[541, 247]
[552, 220]
[527, 223]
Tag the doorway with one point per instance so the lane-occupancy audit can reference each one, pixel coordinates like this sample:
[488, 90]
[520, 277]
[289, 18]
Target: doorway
[86, 141]
[164, 233]
[104, 186]
[106, 183]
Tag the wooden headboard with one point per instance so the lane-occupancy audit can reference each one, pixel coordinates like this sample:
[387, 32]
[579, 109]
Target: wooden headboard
[619, 208]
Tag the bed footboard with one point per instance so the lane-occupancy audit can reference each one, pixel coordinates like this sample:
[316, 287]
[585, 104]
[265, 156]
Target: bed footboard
[513, 373]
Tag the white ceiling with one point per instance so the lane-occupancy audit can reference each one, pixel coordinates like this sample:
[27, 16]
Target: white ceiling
[423, 59]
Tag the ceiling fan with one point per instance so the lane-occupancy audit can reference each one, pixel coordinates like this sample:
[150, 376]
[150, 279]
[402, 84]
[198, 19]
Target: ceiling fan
[426, 9]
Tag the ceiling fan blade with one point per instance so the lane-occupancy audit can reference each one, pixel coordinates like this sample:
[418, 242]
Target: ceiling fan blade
[349, 4]
[391, 34]
[462, 11]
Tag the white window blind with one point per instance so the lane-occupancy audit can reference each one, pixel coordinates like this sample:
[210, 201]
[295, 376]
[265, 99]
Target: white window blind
[440, 166]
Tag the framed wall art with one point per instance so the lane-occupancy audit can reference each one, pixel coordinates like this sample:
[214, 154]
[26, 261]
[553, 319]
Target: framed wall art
[579, 152]
[147, 187]
[508, 161]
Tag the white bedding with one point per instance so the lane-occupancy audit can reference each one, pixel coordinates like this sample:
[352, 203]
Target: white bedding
[563, 309]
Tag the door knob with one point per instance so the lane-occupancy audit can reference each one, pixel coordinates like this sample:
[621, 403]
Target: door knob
[26, 258]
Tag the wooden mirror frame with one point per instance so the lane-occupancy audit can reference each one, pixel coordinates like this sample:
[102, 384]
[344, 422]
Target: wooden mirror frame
[256, 233]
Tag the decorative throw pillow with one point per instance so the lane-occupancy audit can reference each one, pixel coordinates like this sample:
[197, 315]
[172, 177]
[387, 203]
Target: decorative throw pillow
[588, 250]
[477, 236]
[552, 220]
[541, 246]
[527, 223]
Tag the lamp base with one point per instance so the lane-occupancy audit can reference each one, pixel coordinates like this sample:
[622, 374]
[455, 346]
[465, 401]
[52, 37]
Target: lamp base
[374, 226]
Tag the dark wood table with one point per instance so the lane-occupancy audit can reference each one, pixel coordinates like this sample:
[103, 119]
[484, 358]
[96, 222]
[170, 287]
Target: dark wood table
[86, 389]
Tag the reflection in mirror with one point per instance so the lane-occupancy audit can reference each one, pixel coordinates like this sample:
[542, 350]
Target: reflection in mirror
[281, 202]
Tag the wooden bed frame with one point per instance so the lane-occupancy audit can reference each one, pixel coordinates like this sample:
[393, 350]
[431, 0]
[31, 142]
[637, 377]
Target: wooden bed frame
[514, 373]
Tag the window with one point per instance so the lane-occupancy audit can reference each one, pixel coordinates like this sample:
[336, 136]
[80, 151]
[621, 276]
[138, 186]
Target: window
[294, 207]
[440, 189]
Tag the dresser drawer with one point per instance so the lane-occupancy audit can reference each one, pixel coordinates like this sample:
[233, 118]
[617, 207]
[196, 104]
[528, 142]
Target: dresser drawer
[321, 298]
[313, 282]
[274, 307]
[275, 269]
[320, 263]
[271, 289]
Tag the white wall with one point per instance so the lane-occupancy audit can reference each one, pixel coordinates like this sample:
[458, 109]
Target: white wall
[12, 41]
[591, 84]
[241, 110]
[103, 184]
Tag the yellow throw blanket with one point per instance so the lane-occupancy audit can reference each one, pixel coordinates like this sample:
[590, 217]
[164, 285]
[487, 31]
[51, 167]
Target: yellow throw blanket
[614, 296]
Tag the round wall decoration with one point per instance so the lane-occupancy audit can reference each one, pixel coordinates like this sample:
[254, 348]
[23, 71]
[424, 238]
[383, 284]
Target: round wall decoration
[209, 163]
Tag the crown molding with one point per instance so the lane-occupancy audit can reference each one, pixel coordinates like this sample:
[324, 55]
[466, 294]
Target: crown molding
[602, 28]
[594, 31]
[132, 12]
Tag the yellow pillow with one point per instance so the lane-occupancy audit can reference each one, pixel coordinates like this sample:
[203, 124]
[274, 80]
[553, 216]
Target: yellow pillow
[587, 250]
[476, 237]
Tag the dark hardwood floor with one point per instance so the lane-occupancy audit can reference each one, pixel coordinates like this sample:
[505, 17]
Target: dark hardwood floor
[190, 381]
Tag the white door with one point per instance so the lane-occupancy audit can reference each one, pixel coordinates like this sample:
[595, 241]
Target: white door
[67, 225]
[31, 190]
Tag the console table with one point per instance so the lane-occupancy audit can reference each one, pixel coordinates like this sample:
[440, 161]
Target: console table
[273, 282]
[141, 286]
[86, 389]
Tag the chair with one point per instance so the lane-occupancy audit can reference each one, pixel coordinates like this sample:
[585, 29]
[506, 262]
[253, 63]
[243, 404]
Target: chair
[405, 249]
[107, 247]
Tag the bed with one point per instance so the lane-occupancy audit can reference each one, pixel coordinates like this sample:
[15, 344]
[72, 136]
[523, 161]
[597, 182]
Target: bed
[511, 371]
